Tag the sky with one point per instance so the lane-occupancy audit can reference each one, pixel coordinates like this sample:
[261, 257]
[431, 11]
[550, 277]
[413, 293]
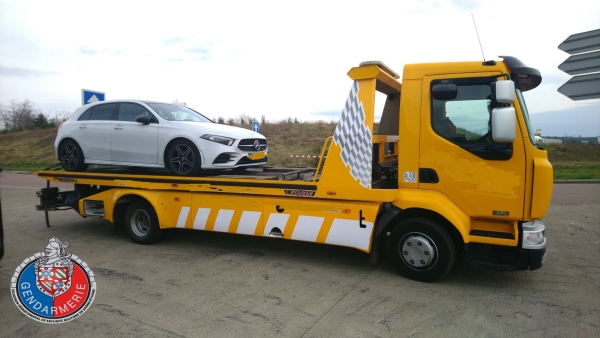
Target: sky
[277, 59]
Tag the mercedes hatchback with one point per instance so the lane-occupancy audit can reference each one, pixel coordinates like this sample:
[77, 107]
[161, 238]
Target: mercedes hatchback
[154, 134]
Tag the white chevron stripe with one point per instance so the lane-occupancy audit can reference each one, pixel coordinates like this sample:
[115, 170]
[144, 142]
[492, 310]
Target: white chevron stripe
[201, 217]
[223, 220]
[307, 228]
[248, 222]
[183, 214]
[276, 220]
[346, 232]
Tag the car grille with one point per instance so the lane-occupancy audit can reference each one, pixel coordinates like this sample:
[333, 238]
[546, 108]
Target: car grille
[248, 144]
[245, 160]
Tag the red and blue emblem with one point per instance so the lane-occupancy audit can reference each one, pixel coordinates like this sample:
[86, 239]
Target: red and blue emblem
[53, 286]
[53, 281]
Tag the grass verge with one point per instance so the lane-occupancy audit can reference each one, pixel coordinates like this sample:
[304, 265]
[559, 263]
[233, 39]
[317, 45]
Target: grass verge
[576, 170]
[27, 166]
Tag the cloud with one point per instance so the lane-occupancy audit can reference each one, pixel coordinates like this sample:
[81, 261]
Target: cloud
[466, 5]
[174, 60]
[21, 72]
[88, 51]
[201, 52]
[555, 79]
[173, 40]
[198, 50]
[328, 114]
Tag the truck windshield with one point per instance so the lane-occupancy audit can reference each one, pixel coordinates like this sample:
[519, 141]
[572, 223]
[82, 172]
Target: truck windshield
[530, 129]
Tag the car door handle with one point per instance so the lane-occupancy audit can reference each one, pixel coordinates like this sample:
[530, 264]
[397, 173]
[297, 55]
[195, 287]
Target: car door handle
[118, 127]
[83, 126]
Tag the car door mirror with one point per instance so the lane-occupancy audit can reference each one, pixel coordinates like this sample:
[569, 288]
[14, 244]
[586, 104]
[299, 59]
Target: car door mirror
[143, 119]
[503, 124]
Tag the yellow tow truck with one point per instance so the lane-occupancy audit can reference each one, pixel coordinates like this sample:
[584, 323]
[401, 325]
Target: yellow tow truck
[452, 168]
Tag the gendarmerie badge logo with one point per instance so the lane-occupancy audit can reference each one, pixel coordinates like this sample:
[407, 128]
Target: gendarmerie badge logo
[53, 286]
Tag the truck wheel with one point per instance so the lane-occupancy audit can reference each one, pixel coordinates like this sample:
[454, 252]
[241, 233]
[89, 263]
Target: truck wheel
[421, 249]
[183, 158]
[71, 157]
[141, 223]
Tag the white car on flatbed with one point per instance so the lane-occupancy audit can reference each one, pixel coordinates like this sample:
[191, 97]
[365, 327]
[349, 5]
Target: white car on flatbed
[154, 134]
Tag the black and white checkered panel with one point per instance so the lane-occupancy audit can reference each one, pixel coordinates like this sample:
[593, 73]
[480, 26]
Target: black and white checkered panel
[353, 136]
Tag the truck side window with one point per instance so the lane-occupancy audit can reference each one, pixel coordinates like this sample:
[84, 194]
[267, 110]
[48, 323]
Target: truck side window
[465, 120]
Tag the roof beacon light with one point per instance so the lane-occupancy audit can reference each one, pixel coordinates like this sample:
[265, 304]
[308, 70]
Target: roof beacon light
[382, 66]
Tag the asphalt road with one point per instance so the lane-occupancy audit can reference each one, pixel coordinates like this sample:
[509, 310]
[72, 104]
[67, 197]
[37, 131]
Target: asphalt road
[196, 284]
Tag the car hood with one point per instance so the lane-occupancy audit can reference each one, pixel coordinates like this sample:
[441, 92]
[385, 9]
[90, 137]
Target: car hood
[216, 129]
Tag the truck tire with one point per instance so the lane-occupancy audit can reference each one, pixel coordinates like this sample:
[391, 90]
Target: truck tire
[71, 157]
[421, 249]
[141, 223]
[183, 158]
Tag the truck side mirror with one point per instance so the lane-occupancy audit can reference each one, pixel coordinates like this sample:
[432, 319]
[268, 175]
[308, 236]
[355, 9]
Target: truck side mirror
[444, 91]
[505, 91]
[504, 120]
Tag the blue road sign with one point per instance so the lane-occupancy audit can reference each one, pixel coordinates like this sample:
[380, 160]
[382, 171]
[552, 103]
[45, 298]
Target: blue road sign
[255, 127]
[91, 96]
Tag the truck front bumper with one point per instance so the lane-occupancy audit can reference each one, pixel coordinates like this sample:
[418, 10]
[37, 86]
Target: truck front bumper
[528, 255]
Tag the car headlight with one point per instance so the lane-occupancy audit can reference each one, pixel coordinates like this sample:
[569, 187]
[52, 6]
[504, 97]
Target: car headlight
[219, 139]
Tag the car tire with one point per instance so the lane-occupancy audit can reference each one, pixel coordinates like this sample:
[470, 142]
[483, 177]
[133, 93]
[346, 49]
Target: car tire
[71, 156]
[421, 249]
[183, 158]
[141, 223]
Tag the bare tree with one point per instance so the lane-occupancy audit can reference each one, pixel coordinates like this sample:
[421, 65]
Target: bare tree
[59, 117]
[179, 103]
[19, 115]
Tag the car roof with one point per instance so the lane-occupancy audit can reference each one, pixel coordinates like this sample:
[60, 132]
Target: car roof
[124, 100]
[89, 105]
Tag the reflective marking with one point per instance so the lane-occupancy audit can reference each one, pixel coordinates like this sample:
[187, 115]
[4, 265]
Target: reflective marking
[223, 220]
[183, 214]
[276, 220]
[201, 217]
[348, 233]
[248, 222]
[307, 228]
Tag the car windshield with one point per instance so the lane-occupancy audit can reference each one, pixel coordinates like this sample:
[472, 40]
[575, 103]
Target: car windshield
[173, 112]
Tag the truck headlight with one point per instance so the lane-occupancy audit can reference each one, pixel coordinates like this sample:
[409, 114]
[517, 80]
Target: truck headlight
[534, 235]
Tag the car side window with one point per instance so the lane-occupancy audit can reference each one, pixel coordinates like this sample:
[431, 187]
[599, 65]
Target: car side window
[129, 111]
[103, 112]
[85, 115]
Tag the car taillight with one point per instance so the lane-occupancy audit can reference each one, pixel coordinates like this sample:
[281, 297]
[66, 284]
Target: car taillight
[60, 125]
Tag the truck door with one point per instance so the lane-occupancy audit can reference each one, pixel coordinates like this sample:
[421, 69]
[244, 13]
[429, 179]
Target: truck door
[484, 178]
